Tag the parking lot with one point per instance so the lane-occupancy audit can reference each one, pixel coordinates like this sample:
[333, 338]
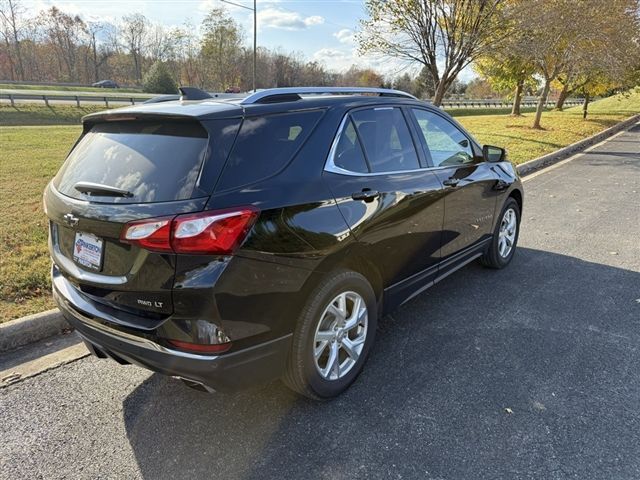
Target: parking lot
[529, 372]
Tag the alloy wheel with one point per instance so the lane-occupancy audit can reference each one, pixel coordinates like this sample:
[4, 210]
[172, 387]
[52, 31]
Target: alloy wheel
[340, 335]
[507, 232]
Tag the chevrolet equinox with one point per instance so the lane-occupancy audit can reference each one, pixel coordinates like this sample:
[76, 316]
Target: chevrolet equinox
[231, 240]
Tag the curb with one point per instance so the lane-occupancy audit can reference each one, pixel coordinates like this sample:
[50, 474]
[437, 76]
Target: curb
[30, 329]
[565, 152]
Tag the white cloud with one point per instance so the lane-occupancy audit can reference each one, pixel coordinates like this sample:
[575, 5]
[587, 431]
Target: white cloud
[285, 20]
[345, 36]
[338, 60]
[341, 59]
[314, 20]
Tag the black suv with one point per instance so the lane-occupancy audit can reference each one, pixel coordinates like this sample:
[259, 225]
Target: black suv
[227, 242]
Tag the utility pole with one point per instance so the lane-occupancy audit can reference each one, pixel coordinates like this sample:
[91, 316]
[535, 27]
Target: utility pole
[255, 33]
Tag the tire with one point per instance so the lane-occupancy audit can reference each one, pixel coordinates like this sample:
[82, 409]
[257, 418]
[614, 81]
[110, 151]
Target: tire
[303, 373]
[493, 258]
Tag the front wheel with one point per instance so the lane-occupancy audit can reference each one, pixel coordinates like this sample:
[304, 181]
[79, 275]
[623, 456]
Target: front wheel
[505, 237]
[333, 337]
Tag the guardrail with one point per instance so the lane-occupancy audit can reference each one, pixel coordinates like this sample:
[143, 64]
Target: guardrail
[500, 104]
[133, 99]
[58, 84]
[78, 99]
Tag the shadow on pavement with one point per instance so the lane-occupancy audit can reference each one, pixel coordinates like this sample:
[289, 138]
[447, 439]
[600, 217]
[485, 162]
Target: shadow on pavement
[532, 371]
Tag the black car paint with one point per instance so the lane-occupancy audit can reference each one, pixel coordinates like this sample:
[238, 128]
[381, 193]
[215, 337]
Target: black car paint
[403, 241]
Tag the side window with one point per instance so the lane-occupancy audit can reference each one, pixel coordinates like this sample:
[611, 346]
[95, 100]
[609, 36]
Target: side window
[264, 145]
[446, 143]
[348, 154]
[386, 139]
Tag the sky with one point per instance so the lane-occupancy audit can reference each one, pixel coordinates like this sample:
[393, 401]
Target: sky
[321, 30]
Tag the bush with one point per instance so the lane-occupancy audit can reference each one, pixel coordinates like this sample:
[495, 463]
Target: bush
[159, 80]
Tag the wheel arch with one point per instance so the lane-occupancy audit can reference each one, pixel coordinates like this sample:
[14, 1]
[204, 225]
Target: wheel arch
[516, 194]
[352, 260]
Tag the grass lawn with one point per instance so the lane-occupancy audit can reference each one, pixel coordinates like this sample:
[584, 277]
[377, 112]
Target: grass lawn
[33, 114]
[31, 155]
[62, 88]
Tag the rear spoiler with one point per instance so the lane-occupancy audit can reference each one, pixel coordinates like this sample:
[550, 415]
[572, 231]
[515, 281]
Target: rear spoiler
[186, 93]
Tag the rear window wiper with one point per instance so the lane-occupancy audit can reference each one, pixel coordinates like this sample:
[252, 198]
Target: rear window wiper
[91, 188]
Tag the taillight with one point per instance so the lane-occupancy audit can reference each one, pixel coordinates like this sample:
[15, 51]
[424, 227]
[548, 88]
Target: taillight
[214, 232]
[152, 234]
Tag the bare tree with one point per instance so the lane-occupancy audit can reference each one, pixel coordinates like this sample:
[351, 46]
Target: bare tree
[443, 35]
[65, 33]
[99, 52]
[134, 30]
[11, 20]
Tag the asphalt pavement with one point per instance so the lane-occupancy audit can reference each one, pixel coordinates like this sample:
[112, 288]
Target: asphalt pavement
[529, 372]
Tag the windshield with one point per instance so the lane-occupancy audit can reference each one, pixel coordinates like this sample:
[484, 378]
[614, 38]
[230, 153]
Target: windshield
[151, 161]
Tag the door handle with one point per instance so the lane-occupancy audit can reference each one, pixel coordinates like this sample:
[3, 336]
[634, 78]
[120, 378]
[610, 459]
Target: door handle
[451, 182]
[366, 194]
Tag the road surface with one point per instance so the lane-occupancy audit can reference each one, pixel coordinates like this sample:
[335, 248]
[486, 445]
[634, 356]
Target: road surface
[530, 372]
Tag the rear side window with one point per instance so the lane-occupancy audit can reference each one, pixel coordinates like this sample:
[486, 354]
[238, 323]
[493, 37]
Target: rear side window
[155, 162]
[348, 154]
[386, 139]
[265, 145]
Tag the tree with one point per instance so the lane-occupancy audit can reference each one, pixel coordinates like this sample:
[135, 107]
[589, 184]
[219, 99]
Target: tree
[480, 88]
[134, 31]
[99, 54]
[425, 31]
[159, 80]
[425, 85]
[555, 40]
[221, 50]
[65, 33]
[11, 13]
[506, 71]
[609, 61]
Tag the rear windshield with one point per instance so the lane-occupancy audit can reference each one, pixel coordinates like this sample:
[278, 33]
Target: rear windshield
[154, 162]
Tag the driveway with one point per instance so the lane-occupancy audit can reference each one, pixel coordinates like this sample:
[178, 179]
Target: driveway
[529, 372]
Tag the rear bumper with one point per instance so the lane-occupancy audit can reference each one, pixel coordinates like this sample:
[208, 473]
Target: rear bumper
[225, 372]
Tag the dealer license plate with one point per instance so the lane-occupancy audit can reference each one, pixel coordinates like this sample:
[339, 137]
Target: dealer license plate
[87, 250]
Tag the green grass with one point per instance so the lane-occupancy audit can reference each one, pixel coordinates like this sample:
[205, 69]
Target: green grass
[59, 88]
[474, 112]
[31, 155]
[559, 128]
[30, 114]
[628, 102]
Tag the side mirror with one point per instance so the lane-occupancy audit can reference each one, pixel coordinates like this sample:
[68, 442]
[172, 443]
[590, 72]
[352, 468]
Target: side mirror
[493, 154]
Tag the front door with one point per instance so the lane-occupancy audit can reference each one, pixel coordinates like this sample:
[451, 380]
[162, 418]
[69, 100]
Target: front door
[392, 205]
[469, 182]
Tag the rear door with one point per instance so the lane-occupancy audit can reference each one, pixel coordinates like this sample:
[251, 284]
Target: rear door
[470, 196]
[119, 172]
[387, 198]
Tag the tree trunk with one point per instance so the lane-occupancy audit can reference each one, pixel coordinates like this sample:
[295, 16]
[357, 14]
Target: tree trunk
[585, 106]
[440, 91]
[541, 103]
[517, 98]
[564, 93]
[12, 67]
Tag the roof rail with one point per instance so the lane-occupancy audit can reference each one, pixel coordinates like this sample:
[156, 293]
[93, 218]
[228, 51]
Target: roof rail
[287, 94]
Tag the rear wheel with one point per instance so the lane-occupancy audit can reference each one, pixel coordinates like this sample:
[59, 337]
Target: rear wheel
[505, 237]
[333, 337]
